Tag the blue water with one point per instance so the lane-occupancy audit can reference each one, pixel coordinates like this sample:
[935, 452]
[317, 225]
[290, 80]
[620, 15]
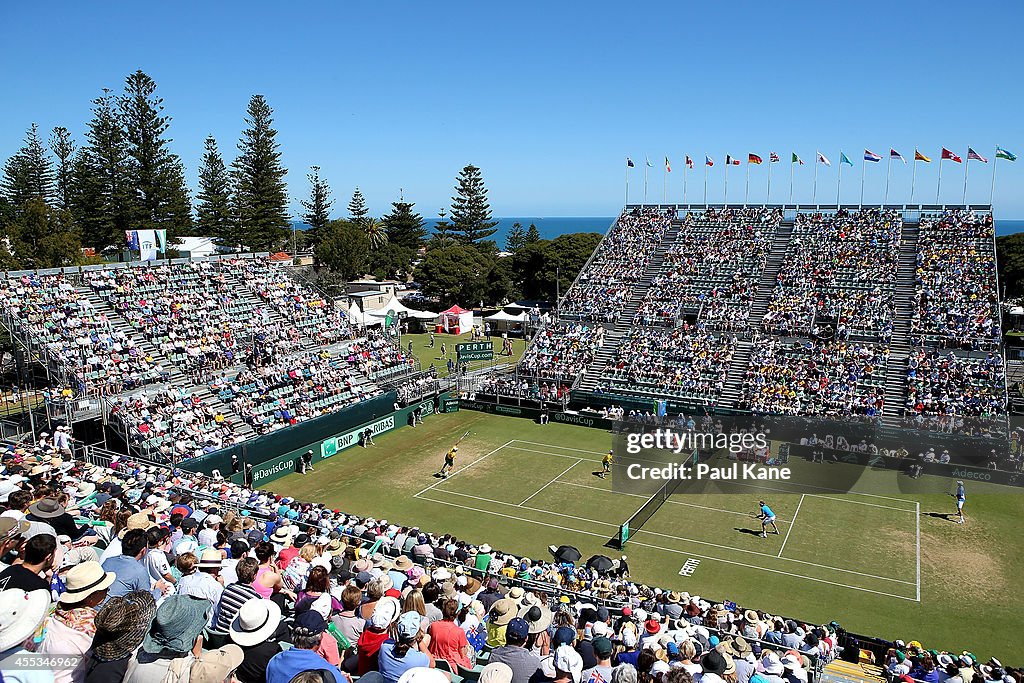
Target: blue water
[1008, 226]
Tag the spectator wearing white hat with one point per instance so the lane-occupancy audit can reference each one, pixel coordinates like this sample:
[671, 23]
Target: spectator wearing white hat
[205, 582]
[71, 627]
[21, 614]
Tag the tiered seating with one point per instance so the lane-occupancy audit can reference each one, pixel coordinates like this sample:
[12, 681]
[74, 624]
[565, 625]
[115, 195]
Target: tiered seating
[712, 268]
[192, 313]
[840, 275]
[173, 423]
[834, 378]
[313, 315]
[945, 384]
[54, 313]
[291, 390]
[561, 352]
[689, 364]
[603, 288]
[955, 285]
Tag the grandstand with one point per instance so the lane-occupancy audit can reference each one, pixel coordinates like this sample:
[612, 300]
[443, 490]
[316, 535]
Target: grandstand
[186, 357]
[881, 313]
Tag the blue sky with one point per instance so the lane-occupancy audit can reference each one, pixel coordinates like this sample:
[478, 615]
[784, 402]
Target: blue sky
[548, 98]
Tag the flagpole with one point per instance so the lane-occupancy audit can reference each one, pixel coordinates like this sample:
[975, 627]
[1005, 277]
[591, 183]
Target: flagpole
[746, 187]
[792, 166]
[913, 178]
[967, 168]
[992, 191]
[863, 172]
[727, 165]
[814, 186]
[888, 171]
[768, 195]
[664, 184]
[627, 184]
[938, 185]
[705, 182]
[647, 166]
[685, 169]
[839, 183]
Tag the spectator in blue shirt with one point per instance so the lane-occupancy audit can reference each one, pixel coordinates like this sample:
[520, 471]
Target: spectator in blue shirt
[307, 631]
[131, 573]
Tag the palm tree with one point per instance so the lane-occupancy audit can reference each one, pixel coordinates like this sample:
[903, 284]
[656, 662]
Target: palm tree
[375, 232]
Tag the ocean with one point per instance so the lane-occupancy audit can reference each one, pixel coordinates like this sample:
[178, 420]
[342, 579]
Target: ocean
[1008, 226]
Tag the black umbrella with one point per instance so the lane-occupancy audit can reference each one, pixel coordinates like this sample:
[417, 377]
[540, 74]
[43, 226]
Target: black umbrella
[567, 553]
[600, 563]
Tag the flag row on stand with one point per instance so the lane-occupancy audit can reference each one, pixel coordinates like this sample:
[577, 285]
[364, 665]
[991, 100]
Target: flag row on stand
[773, 158]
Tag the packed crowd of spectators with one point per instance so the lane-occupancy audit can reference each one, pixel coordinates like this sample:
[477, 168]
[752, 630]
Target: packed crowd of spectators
[840, 269]
[288, 390]
[102, 358]
[524, 387]
[561, 351]
[181, 577]
[603, 288]
[378, 357]
[174, 423]
[956, 298]
[943, 384]
[686, 362]
[834, 378]
[193, 313]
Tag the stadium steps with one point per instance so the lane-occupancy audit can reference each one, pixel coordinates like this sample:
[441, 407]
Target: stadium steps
[900, 346]
[766, 285]
[732, 393]
[839, 671]
[604, 355]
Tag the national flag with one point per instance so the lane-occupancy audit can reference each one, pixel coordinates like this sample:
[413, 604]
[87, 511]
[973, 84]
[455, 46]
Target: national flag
[629, 163]
[797, 160]
[893, 154]
[946, 154]
[871, 156]
[1004, 154]
[753, 159]
[823, 160]
[920, 157]
[708, 161]
[689, 161]
[649, 164]
[668, 166]
[843, 159]
[773, 158]
[971, 154]
[731, 161]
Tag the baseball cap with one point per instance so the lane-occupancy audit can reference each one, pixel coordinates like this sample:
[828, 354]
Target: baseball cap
[602, 647]
[518, 629]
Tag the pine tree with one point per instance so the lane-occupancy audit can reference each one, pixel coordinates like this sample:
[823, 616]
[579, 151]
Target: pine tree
[103, 200]
[532, 234]
[157, 174]
[63, 147]
[516, 239]
[261, 195]
[471, 212]
[318, 206]
[213, 201]
[357, 211]
[442, 236]
[404, 226]
[29, 173]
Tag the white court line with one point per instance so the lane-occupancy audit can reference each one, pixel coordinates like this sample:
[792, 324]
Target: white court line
[463, 469]
[591, 520]
[564, 448]
[919, 551]
[823, 488]
[678, 552]
[857, 502]
[792, 524]
[566, 470]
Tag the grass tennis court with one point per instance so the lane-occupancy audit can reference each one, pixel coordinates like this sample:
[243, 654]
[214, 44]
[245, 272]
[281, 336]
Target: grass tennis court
[886, 565]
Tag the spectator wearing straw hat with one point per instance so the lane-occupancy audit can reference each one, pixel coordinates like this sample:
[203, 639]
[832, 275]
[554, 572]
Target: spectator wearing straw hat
[307, 631]
[174, 640]
[205, 582]
[71, 627]
[258, 630]
[21, 613]
[498, 618]
[216, 666]
[120, 627]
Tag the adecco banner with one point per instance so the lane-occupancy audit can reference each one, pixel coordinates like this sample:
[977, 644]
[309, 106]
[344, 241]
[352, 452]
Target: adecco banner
[287, 463]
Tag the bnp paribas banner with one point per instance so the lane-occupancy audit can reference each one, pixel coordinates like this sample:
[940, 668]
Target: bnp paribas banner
[287, 463]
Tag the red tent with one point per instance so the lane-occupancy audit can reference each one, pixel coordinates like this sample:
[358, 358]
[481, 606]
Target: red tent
[280, 256]
[456, 320]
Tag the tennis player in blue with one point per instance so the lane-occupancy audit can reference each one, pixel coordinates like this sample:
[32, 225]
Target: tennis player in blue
[767, 517]
[961, 498]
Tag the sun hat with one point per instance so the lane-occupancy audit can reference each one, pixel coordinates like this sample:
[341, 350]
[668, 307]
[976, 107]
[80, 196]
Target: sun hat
[83, 580]
[122, 624]
[568, 660]
[502, 611]
[179, 620]
[423, 674]
[403, 563]
[484, 548]
[789, 661]
[516, 593]
[652, 626]
[384, 613]
[210, 559]
[409, 626]
[139, 520]
[11, 528]
[770, 663]
[496, 672]
[714, 662]
[213, 666]
[673, 597]
[256, 621]
[21, 614]
[280, 536]
[47, 508]
[659, 667]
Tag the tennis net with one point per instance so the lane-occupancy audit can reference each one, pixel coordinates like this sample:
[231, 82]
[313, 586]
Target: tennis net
[628, 528]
